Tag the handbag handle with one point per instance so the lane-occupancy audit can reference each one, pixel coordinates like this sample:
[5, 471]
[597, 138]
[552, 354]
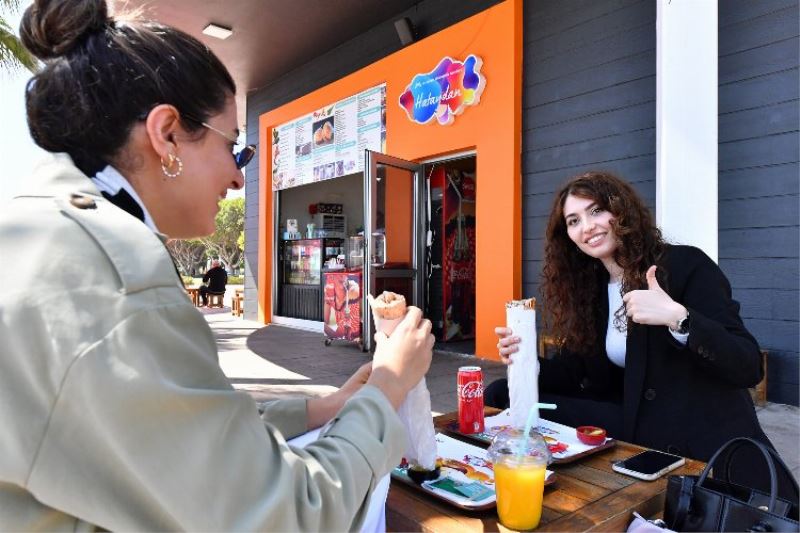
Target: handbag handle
[684, 502]
[778, 460]
[737, 443]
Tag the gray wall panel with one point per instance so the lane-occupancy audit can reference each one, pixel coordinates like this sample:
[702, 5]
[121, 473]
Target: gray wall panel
[753, 93]
[759, 151]
[611, 31]
[597, 126]
[608, 74]
[766, 212]
[594, 152]
[759, 238]
[639, 169]
[546, 21]
[757, 61]
[539, 114]
[769, 303]
[760, 273]
[770, 27]
[781, 335]
[768, 120]
[782, 376]
[773, 242]
[773, 180]
[586, 57]
[743, 11]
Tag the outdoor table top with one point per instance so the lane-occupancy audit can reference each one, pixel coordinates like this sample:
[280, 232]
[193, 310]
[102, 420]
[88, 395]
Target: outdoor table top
[194, 294]
[586, 496]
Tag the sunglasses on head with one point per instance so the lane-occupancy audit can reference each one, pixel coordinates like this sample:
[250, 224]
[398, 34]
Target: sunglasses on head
[241, 158]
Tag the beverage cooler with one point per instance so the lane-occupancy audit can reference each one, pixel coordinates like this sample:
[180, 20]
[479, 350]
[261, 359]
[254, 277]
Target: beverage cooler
[301, 261]
[451, 281]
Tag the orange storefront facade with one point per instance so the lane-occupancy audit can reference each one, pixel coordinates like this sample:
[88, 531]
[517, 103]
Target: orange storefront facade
[491, 130]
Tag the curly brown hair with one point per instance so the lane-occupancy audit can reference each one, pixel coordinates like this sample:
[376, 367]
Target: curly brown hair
[572, 280]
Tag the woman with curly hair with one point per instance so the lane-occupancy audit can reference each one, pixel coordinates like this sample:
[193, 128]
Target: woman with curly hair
[651, 345]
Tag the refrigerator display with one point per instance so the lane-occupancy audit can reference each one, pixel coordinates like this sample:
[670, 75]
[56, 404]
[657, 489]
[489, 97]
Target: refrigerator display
[300, 291]
[303, 259]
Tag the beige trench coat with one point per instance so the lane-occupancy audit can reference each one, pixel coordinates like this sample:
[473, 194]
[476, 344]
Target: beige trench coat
[113, 408]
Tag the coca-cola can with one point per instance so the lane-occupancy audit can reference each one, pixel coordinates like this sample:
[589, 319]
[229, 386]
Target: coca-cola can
[470, 399]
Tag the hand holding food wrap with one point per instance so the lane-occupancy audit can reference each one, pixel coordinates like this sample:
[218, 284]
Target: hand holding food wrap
[388, 309]
[523, 374]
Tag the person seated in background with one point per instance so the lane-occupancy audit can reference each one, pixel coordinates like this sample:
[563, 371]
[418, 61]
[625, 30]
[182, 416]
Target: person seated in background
[214, 280]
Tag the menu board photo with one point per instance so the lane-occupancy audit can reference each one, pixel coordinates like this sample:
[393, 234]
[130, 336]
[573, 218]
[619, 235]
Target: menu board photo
[329, 142]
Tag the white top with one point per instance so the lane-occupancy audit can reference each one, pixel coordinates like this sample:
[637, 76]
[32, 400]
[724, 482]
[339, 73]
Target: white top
[109, 180]
[616, 339]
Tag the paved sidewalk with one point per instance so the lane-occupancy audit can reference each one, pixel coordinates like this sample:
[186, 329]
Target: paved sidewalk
[278, 361]
[275, 361]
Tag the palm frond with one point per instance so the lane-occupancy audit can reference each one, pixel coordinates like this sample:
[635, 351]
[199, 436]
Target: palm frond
[9, 5]
[14, 56]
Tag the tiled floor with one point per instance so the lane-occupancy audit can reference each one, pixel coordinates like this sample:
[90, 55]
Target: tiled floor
[278, 361]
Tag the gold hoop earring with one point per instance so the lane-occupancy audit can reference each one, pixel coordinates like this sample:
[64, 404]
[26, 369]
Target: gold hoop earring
[165, 168]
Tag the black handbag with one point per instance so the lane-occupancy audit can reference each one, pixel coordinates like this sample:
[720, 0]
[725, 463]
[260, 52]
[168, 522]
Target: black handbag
[702, 503]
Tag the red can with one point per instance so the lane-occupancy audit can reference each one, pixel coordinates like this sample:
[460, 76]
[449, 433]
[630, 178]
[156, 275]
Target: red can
[470, 399]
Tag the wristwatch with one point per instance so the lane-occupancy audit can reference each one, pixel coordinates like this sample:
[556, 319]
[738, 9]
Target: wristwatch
[682, 325]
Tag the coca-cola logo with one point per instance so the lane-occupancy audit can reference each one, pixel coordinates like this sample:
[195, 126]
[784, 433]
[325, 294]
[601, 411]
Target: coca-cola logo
[470, 390]
[462, 274]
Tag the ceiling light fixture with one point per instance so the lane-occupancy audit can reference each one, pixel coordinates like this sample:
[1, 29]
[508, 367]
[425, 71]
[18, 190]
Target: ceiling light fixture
[215, 30]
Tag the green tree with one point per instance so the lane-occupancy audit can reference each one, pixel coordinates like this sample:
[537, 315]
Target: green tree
[13, 56]
[224, 243]
[189, 255]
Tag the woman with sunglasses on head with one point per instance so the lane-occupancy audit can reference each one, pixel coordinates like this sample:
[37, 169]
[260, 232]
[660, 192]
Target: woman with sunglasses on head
[115, 412]
[652, 347]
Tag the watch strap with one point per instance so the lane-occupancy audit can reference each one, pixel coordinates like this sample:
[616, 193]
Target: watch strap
[682, 325]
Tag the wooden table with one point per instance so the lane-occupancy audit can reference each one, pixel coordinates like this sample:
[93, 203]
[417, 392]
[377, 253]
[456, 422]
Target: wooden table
[587, 496]
[237, 307]
[194, 295]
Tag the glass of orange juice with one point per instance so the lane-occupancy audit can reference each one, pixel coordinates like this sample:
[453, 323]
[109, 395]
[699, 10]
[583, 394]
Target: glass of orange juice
[520, 462]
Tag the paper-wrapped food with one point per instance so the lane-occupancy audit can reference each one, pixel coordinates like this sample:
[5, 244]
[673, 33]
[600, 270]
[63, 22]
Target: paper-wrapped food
[388, 309]
[523, 373]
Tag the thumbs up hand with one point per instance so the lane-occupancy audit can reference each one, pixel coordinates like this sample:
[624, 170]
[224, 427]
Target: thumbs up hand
[653, 306]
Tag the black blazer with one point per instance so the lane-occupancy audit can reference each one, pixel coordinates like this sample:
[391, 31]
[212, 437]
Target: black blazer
[218, 279]
[687, 400]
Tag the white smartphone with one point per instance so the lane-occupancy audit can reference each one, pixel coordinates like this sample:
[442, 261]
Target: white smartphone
[649, 465]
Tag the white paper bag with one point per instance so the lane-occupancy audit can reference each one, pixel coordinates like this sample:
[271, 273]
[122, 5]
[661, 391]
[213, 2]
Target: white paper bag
[523, 373]
[415, 413]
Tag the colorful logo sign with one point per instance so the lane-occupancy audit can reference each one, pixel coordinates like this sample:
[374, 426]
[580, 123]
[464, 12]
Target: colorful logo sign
[445, 91]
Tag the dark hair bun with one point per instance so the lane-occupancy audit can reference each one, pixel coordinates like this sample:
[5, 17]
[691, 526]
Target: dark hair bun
[51, 28]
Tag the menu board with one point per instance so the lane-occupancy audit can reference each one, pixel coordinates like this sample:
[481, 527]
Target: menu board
[329, 142]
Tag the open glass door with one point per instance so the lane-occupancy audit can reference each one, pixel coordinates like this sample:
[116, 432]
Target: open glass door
[394, 218]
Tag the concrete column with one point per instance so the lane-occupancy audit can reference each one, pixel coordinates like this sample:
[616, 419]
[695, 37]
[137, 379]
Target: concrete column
[686, 122]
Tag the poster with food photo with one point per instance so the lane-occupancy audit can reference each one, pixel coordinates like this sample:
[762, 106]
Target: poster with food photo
[323, 132]
[330, 141]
